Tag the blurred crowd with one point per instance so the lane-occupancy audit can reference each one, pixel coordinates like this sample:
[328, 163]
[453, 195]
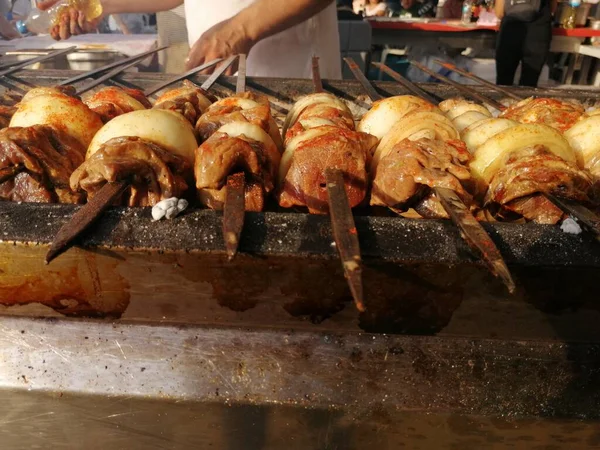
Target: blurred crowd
[357, 9]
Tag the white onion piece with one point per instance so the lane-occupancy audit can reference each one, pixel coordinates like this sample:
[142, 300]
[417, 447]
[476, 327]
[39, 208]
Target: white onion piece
[384, 113]
[43, 90]
[584, 138]
[314, 122]
[491, 155]
[467, 119]
[479, 132]
[437, 124]
[451, 103]
[167, 129]
[308, 100]
[467, 106]
[60, 111]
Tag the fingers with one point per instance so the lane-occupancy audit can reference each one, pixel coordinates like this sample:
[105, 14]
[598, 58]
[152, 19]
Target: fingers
[55, 32]
[64, 27]
[195, 58]
[232, 69]
[74, 28]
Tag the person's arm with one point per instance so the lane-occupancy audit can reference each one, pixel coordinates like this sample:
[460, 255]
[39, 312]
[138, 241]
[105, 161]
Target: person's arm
[74, 22]
[553, 6]
[261, 19]
[499, 9]
[125, 6]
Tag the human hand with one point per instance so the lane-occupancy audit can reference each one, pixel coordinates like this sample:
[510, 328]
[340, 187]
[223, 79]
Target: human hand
[225, 39]
[70, 22]
[8, 30]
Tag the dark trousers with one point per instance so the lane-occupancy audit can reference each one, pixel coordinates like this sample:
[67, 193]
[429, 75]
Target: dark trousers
[522, 42]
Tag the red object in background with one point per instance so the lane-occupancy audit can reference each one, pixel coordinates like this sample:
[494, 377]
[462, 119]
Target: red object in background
[455, 27]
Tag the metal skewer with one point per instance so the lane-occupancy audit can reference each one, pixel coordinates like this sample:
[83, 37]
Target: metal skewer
[366, 84]
[588, 218]
[83, 76]
[92, 210]
[234, 209]
[469, 75]
[342, 219]
[107, 76]
[461, 87]
[472, 231]
[29, 62]
[407, 84]
[154, 89]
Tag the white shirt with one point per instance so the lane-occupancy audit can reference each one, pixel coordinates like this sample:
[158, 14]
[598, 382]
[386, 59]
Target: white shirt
[372, 10]
[287, 54]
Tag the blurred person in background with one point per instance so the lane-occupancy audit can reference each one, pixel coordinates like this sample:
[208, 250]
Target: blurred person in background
[524, 37]
[359, 6]
[279, 37]
[452, 9]
[375, 8]
[413, 8]
[345, 11]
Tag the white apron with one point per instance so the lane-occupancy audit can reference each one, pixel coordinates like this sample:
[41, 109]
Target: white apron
[287, 54]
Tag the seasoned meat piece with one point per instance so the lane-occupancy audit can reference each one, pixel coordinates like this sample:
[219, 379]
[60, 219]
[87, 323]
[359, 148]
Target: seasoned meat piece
[320, 114]
[10, 98]
[6, 113]
[558, 114]
[535, 208]
[189, 100]
[153, 173]
[218, 115]
[43, 159]
[246, 107]
[254, 197]
[404, 178]
[110, 102]
[535, 170]
[302, 171]
[223, 154]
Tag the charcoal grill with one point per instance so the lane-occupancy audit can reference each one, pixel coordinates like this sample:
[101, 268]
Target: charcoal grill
[145, 319]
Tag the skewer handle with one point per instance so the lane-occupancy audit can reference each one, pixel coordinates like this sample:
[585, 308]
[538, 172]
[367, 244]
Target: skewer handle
[83, 218]
[107, 76]
[588, 218]
[240, 86]
[110, 66]
[473, 77]
[461, 87]
[316, 75]
[218, 72]
[234, 212]
[360, 77]
[475, 235]
[412, 87]
[345, 235]
[154, 89]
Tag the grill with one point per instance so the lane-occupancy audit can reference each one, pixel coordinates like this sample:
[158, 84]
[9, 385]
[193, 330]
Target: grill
[161, 308]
